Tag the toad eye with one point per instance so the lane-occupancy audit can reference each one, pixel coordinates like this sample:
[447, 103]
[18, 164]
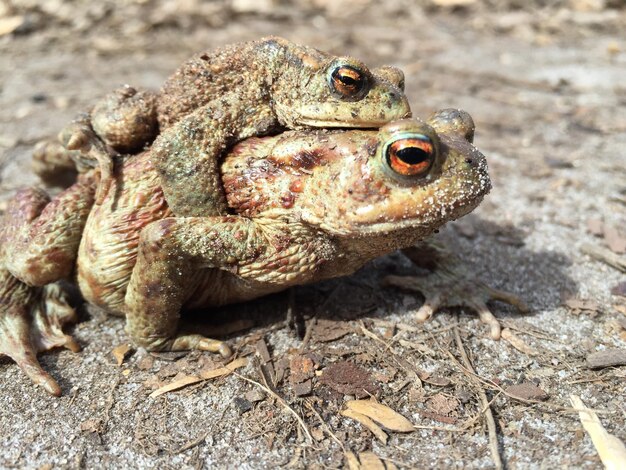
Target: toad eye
[348, 82]
[411, 156]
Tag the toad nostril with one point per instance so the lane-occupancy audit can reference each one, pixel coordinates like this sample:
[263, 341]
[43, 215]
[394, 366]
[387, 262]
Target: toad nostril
[469, 161]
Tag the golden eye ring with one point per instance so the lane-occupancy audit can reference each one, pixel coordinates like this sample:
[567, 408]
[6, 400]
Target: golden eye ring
[411, 156]
[348, 83]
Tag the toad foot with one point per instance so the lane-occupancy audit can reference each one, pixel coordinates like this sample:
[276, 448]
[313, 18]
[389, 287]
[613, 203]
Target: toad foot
[80, 138]
[451, 285]
[35, 325]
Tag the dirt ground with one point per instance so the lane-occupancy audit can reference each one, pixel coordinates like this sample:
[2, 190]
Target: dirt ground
[546, 85]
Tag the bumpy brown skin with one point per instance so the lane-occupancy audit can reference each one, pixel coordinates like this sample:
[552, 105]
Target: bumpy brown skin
[304, 206]
[219, 98]
[38, 245]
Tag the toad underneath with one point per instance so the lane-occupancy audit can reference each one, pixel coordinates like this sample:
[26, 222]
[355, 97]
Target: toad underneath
[303, 206]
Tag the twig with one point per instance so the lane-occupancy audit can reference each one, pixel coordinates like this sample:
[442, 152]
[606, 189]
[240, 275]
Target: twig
[313, 321]
[491, 422]
[606, 256]
[307, 335]
[193, 443]
[280, 400]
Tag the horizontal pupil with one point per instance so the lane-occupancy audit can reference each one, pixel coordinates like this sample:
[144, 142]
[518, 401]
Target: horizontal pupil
[347, 80]
[412, 155]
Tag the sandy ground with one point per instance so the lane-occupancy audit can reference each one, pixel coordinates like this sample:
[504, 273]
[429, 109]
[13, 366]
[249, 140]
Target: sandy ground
[547, 89]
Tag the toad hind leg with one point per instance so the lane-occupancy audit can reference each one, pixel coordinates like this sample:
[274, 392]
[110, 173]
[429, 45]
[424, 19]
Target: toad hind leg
[40, 237]
[450, 285]
[171, 252]
[32, 320]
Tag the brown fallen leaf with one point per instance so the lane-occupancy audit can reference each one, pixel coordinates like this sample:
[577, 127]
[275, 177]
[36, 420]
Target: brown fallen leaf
[438, 417]
[595, 227]
[301, 368]
[577, 305]
[350, 379]
[442, 404]
[192, 379]
[619, 289]
[92, 425]
[303, 388]
[367, 461]
[608, 358]
[382, 414]
[330, 330]
[368, 423]
[371, 461]
[435, 380]
[227, 369]
[526, 391]
[120, 352]
[614, 240]
[263, 351]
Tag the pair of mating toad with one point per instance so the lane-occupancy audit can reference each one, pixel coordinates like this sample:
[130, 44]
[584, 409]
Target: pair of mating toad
[179, 204]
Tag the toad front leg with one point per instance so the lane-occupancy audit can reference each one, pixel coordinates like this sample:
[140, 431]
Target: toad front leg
[449, 284]
[187, 155]
[171, 253]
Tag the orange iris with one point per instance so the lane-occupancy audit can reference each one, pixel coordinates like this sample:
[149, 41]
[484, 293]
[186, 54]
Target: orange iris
[348, 81]
[410, 157]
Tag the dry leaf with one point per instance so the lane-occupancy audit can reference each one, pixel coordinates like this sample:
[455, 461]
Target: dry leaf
[350, 379]
[577, 305]
[227, 369]
[615, 241]
[443, 404]
[526, 391]
[517, 342]
[370, 461]
[301, 368]
[352, 461]
[262, 351]
[619, 289]
[120, 352]
[611, 450]
[10, 24]
[192, 379]
[330, 330]
[382, 414]
[607, 358]
[595, 227]
[176, 385]
[368, 423]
